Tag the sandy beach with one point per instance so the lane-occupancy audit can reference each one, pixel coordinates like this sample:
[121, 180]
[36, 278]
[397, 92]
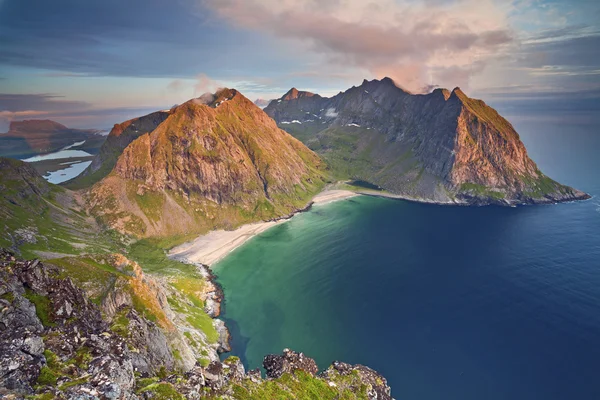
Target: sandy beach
[212, 247]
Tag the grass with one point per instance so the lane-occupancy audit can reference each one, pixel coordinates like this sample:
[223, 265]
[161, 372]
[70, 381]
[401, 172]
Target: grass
[161, 391]
[543, 186]
[299, 385]
[482, 191]
[74, 382]
[43, 307]
[120, 324]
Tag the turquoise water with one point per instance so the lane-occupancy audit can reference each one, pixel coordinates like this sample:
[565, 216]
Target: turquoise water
[446, 302]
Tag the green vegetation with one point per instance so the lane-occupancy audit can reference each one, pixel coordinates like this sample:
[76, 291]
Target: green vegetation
[47, 377]
[162, 391]
[543, 186]
[120, 323]
[482, 191]
[299, 385]
[94, 273]
[74, 382]
[8, 296]
[43, 307]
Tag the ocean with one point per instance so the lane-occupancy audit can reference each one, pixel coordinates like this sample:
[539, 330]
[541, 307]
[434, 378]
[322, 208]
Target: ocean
[446, 302]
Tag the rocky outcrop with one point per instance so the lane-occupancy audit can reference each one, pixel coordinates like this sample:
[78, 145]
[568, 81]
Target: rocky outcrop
[55, 343]
[290, 371]
[443, 147]
[215, 161]
[290, 361]
[52, 335]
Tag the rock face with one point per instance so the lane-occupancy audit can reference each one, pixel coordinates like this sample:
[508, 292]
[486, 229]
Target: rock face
[443, 146]
[214, 161]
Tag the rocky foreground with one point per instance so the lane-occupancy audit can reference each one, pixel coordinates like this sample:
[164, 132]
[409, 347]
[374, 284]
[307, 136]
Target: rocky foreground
[55, 343]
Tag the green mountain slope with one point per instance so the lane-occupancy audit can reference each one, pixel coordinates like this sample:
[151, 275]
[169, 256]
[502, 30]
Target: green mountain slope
[213, 162]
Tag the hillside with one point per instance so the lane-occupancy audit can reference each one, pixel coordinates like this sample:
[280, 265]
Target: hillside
[107, 317]
[32, 137]
[443, 147]
[217, 161]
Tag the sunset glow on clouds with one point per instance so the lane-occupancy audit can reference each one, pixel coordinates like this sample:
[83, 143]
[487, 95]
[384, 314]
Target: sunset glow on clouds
[95, 63]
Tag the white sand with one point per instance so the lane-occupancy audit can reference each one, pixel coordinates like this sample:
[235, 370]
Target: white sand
[212, 247]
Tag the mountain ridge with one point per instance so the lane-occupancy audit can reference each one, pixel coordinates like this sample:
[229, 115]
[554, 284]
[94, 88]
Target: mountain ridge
[442, 146]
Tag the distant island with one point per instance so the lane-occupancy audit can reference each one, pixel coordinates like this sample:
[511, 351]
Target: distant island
[36, 137]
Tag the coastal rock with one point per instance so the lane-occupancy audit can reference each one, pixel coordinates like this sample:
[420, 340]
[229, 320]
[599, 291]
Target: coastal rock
[224, 336]
[377, 387]
[276, 365]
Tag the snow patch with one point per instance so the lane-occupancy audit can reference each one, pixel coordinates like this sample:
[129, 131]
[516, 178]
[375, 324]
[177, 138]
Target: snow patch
[356, 125]
[331, 113]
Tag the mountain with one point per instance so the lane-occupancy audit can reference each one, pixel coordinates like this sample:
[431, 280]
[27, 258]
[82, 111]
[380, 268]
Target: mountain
[443, 146]
[215, 161]
[32, 137]
[119, 137]
[262, 103]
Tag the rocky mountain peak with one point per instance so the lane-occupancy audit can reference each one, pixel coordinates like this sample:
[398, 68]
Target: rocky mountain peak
[443, 92]
[294, 93]
[457, 92]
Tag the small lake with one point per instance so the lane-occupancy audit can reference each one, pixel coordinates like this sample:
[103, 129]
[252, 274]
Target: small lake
[71, 171]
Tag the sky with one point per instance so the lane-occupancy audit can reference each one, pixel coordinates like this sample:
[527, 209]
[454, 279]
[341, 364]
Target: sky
[94, 63]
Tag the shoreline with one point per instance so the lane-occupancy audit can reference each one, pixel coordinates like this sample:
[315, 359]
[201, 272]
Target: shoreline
[537, 202]
[212, 247]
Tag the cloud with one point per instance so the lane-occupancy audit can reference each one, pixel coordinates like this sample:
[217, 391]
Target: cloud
[42, 102]
[412, 43]
[176, 86]
[205, 85]
[74, 114]
[134, 38]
